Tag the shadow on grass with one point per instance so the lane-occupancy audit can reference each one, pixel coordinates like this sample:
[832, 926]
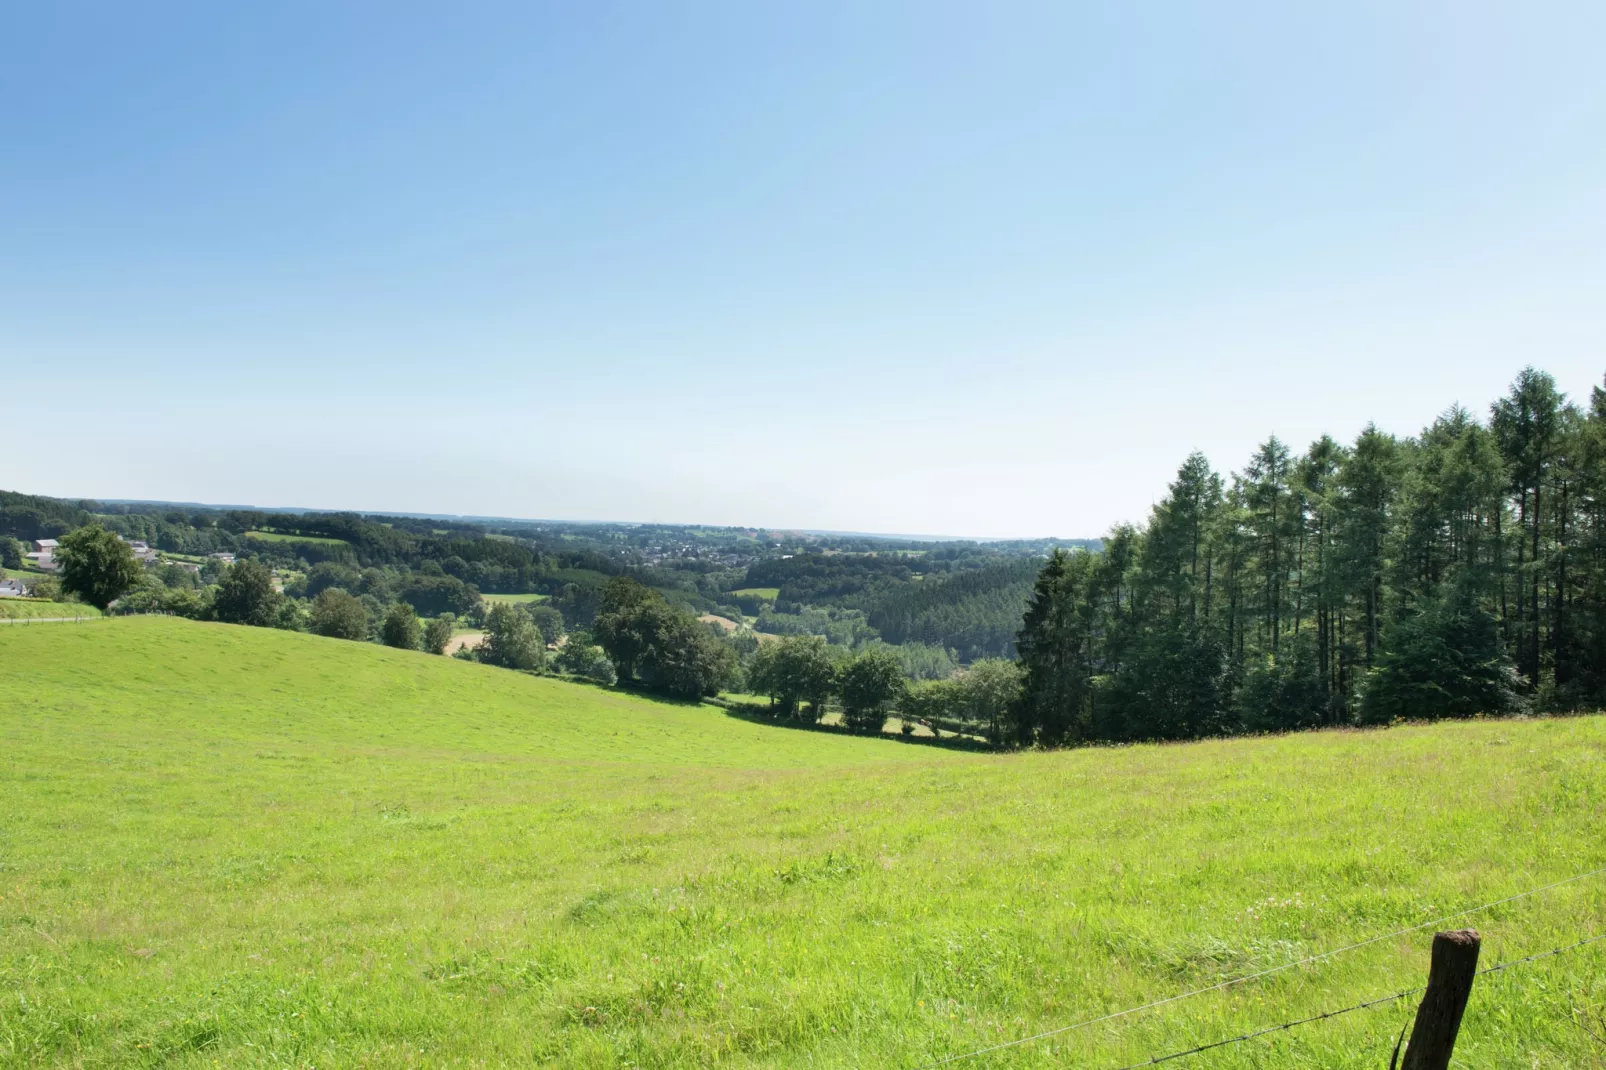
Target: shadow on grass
[762, 715]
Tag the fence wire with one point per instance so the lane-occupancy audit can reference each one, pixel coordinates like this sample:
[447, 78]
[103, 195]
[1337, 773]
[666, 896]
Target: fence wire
[1346, 1010]
[950, 1059]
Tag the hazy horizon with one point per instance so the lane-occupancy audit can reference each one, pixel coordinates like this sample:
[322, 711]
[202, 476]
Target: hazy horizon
[484, 518]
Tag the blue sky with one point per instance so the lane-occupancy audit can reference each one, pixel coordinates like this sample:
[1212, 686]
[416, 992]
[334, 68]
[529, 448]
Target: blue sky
[979, 269]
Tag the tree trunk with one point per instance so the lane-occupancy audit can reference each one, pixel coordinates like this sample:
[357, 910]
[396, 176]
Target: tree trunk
[1533, 624]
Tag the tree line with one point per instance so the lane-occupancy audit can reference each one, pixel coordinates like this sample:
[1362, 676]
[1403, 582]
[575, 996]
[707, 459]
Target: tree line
[1458, 572]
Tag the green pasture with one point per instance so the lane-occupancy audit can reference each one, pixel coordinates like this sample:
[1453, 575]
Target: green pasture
[279, 536]
[515, 598]
[30, 608]
[768, 594]
[228, 846]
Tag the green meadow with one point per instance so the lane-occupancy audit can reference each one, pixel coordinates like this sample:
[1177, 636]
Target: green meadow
[228, 846]
[515, 598]
[31, 608]
[279, 536]
[768, 594]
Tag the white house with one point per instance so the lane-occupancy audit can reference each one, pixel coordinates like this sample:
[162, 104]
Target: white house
[12, 589]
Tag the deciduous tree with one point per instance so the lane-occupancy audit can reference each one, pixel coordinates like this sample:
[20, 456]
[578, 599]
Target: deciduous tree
[401, 629]
[246, 596]
[96, 565]
[339, 615]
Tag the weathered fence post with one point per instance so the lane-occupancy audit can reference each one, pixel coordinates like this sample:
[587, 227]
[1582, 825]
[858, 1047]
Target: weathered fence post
[1438, 1019]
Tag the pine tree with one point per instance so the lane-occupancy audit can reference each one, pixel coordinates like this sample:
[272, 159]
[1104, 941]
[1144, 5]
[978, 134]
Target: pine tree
[1054, 654]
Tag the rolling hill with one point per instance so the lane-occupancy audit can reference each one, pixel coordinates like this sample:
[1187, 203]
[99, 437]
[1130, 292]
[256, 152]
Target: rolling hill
[231, 846]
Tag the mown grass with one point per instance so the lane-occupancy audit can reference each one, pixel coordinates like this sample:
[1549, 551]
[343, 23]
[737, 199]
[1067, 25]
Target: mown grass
[239, 847]
[31, 608]
[515, 598]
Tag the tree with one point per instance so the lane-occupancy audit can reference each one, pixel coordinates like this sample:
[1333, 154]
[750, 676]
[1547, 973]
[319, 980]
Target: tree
[548, 621]
[869, 684]
[401, 629]
[1055, 653]
[434, 595]
[624, 627]
[10, 552]
[1443, 660]
[1169, 687]
[760, 670]
[579, 656]
[935, 701]
[177, 601]
[990, 690]
[685, 659]
[659, 646]
[1368, 481]
[794, 670]
[1284, 690]
[96, 565]
[339, 615]
[326, 574]
[577, 604]
[511, 640]
[1527, 424]
[1271, 517]
[246, 595]
[437, 634]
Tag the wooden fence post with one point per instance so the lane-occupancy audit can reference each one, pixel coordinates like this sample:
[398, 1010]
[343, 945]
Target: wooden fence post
[1438, 1019]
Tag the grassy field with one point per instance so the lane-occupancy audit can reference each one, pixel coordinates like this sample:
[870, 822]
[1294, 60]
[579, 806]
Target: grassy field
[226, 846]
[515, 598]
[768, 594]
[29, 608]
[279, 536]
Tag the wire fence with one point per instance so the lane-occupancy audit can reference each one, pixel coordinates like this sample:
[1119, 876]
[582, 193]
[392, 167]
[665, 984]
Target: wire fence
[1231, 982]
[1346, 1010]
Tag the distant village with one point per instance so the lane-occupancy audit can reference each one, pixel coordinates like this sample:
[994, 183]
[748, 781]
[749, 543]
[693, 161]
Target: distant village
[42, 559]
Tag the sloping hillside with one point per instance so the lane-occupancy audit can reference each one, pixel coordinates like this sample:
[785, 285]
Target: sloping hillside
[230, 846]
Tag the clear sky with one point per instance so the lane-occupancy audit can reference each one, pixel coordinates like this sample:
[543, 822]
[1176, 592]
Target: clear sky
[975, 269]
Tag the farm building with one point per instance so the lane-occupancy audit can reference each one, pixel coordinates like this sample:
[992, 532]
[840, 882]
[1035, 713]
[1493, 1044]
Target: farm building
[142, 552]
[12, 589]
[43, 555]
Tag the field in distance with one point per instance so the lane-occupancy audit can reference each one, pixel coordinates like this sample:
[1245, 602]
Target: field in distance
[234, 846]
[515, 598]
[279, 536]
